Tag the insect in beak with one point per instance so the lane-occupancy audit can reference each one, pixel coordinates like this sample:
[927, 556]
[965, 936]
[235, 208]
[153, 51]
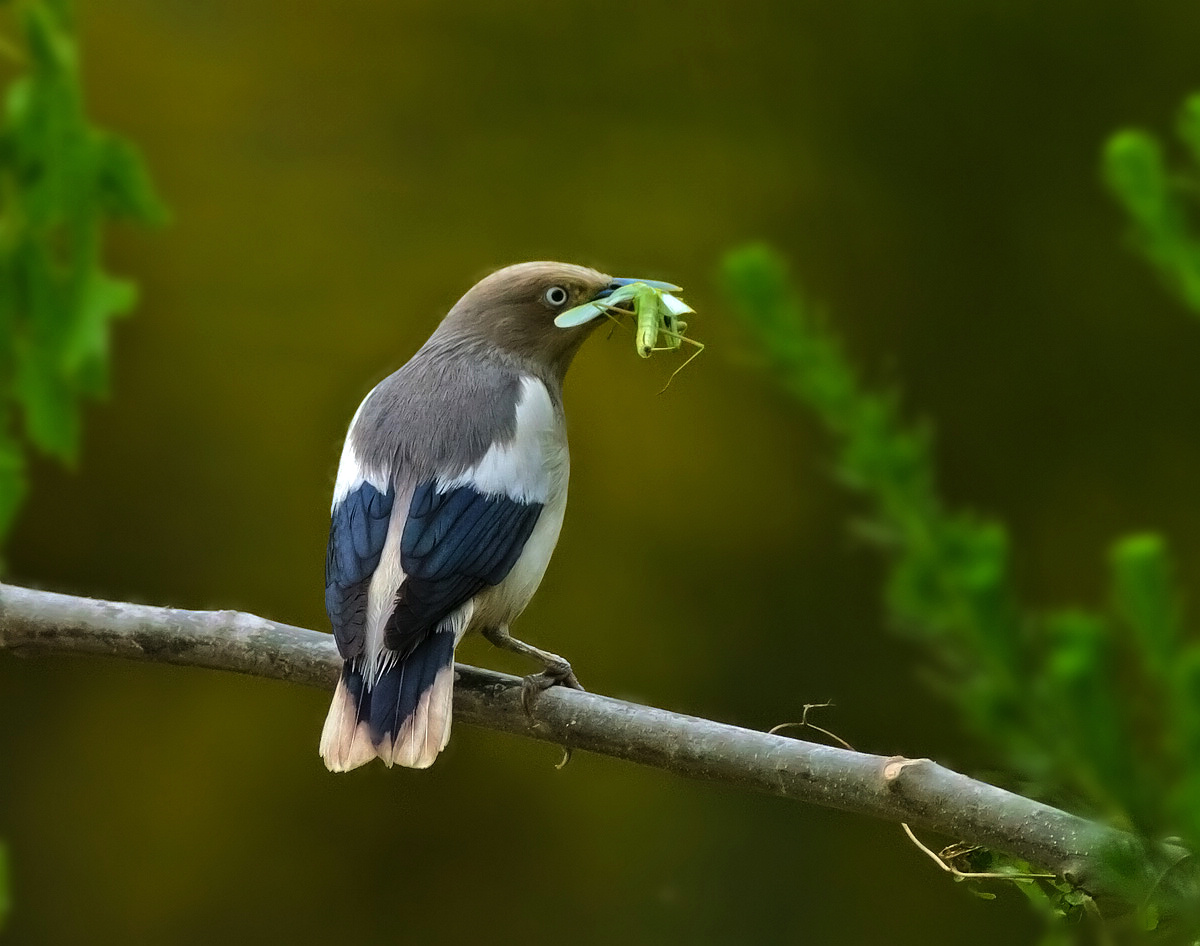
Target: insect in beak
[611, 297]
[655, 310]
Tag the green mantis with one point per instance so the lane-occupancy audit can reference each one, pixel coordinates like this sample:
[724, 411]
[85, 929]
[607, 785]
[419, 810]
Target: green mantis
[656, 312]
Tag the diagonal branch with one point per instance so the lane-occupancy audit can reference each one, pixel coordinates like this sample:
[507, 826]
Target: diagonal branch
[917, 791]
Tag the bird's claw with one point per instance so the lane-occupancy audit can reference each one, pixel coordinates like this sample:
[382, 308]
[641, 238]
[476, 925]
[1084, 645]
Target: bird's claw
[553, 675]
[559, 674]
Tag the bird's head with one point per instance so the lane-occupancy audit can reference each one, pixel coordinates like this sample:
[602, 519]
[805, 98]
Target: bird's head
[514, 309]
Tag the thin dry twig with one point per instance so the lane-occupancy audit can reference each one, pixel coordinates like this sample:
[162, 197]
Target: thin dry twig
[804, 723]
[943, 859]
[944, 864]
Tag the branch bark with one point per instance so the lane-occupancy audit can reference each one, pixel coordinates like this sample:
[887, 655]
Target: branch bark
[916, 791]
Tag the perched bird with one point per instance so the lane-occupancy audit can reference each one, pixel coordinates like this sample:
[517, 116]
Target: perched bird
[448, 502]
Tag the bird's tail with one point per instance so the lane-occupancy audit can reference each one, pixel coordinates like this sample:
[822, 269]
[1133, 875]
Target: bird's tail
[402, 717]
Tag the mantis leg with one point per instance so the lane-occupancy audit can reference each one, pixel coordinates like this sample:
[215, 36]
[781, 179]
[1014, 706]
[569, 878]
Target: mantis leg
[692, 357]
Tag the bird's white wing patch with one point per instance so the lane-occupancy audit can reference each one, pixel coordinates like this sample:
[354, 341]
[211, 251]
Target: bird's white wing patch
[381, 594]
[524, 468]
[537, 466]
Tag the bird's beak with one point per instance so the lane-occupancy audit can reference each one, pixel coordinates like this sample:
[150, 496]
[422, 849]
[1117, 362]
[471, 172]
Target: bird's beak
[626, 281]
[597, 306]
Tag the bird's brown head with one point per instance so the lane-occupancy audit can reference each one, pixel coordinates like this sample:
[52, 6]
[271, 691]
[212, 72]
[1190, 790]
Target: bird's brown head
[513, 311]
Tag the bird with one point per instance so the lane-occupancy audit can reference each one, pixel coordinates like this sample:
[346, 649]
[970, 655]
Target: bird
[447, 505]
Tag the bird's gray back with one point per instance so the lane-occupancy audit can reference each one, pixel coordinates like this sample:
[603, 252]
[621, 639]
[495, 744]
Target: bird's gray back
[438, 415]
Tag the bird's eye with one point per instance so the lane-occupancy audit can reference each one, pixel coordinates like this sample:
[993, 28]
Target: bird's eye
[556, 296]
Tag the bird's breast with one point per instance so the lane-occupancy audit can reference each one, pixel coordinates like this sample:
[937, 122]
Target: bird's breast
[541, 444]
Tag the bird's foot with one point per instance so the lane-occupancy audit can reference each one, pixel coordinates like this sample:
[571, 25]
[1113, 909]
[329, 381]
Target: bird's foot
[557, 673]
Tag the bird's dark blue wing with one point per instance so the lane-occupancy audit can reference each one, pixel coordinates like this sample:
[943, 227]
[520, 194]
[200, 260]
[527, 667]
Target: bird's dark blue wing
[357, 531]
[454, 544]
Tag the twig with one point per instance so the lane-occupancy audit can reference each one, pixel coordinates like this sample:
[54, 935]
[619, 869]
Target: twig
[943, 860]
[944, 864]
[917, 791]
[805, 724]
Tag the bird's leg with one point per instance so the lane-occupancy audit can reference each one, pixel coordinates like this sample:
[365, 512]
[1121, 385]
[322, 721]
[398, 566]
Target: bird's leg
[556, 669]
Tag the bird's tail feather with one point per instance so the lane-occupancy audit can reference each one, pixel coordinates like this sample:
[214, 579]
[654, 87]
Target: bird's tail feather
[403, 717]
[346, 739]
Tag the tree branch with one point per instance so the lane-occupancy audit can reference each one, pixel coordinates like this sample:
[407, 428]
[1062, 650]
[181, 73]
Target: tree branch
[916, 791]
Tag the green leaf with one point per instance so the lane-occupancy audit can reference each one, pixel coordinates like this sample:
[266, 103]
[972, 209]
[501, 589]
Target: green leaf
[1133, 164]
[124, 185]
[51, 416]
[103, 298]
[1189, 126]
[1079, 689]
[1144, 596]
[1161, 203]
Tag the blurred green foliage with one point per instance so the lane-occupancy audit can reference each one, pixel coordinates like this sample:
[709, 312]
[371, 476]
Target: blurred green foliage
[1100, 712]
[61, 180]
[1164, 207]
[1163, 203]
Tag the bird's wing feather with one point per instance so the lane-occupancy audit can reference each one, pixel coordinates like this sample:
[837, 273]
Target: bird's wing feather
[358, 529]
[456, 541]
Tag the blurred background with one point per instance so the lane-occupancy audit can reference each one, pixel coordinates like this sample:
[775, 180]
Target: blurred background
[338, 176]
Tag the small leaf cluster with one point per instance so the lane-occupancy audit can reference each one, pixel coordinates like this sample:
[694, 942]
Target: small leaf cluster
[1162, 203]
[1098, 711]
[61, 180]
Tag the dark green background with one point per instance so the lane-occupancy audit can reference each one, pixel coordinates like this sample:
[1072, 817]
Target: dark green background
[339, 174]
